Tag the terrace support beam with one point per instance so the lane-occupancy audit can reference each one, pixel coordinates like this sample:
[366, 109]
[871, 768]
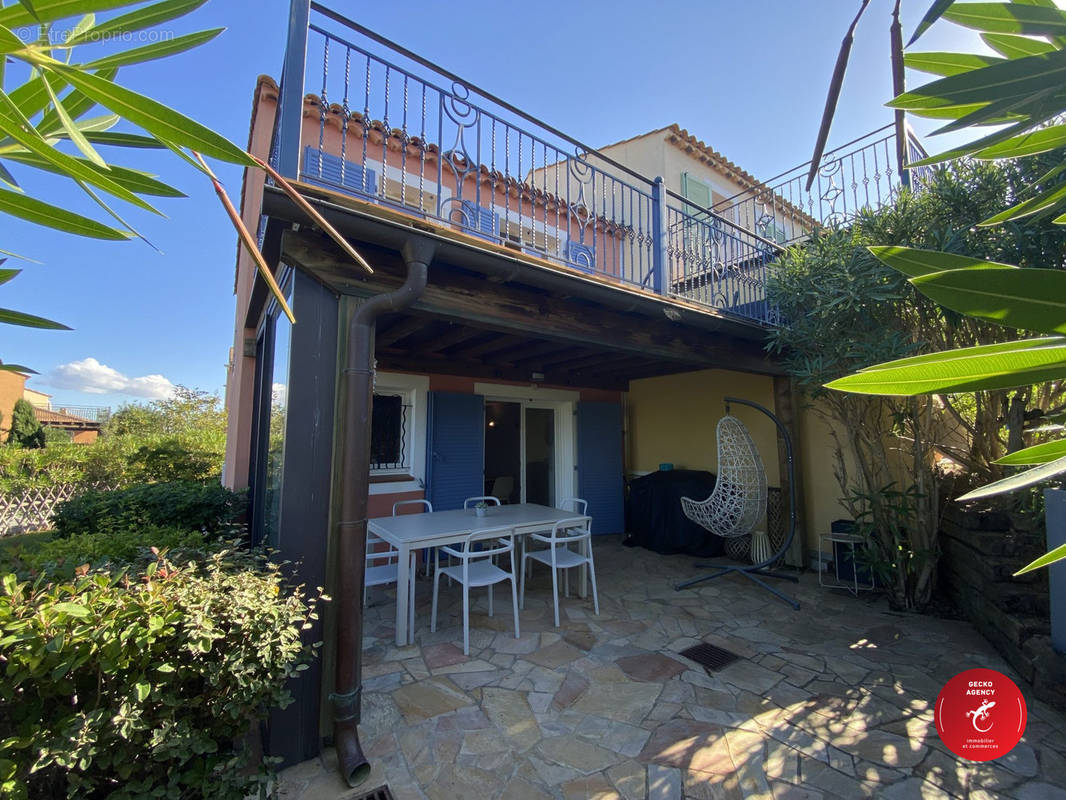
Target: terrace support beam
[532, 314]
[785, 405]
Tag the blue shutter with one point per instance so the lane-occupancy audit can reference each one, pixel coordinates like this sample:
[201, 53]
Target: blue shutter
[455, 461]
[599, 464]
[324, 169]
[482, 220]
[580, 255]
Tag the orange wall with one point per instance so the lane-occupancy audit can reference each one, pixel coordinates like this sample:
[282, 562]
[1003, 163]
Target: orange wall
[11, 386]
[240, 378]
[522, 203]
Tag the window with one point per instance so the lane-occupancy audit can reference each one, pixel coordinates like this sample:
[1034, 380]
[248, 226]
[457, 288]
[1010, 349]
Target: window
[406, 194]
[276, 395]
[698, 193]
[530, 237]
[390, 433]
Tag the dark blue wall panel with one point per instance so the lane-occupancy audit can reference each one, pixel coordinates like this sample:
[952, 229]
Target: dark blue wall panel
[455, 461]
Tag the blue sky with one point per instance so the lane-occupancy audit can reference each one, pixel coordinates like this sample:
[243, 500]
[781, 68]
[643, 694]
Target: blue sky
[749, 78]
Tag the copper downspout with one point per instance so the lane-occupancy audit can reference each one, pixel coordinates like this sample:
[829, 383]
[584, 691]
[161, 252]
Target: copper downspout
[355, 483]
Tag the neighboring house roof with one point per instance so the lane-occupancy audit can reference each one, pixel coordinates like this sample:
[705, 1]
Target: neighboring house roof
[683, 140]
[59, 419]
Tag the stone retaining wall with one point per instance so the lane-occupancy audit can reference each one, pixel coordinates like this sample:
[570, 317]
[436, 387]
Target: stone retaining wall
[980, 553]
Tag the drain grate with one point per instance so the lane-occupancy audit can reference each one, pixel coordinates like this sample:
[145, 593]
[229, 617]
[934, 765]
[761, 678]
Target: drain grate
[709, 656]
[381, 793]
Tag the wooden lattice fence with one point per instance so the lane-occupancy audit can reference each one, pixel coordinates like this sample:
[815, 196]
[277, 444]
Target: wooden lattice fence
[32, 509]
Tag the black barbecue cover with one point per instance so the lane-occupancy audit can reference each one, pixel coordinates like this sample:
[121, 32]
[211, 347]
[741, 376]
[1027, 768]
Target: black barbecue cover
[655, 519]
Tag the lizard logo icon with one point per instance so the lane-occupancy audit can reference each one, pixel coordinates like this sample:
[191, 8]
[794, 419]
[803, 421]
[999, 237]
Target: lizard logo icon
[981, 713]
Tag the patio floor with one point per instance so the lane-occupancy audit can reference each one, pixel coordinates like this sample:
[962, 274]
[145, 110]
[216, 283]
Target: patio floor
[835, 700]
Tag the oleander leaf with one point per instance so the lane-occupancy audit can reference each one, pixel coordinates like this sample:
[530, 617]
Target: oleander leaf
[156, 118]
[947, 63]
[1030, 299]
[10, 317]
[935, 11]
[999, 366]
[1012, 46]
[136, 20]
[1009, 79]
[1021, 18]
[1018, 481]
[1037, 454]
[1028, 144]
[51, 10]
[1047, 559]
[914, 262]
[41, 213]
[156, 50]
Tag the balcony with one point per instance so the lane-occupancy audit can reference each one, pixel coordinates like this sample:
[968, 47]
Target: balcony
[363, 117]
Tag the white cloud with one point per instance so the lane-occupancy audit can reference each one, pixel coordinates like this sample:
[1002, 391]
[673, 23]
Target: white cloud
[92, 377]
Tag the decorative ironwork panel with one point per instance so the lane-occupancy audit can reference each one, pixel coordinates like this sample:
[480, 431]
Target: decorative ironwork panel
[389, 433]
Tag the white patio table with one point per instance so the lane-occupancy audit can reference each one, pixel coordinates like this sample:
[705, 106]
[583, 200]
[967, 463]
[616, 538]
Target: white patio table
[410, 532]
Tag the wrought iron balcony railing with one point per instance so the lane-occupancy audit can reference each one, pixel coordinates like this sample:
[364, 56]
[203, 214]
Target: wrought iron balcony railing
[93, 414]
[361, 115]
[862, 173]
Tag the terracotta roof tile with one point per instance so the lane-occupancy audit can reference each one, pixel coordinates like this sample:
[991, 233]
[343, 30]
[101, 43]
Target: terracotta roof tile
[684, 140]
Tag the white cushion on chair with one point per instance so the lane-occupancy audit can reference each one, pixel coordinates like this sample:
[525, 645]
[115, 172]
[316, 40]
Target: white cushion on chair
[481, 573]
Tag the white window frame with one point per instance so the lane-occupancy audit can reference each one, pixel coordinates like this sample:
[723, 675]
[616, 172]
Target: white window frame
[415, 391]
[564, 403]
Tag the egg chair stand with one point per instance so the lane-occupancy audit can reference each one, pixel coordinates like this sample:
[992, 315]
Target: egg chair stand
[739, 499]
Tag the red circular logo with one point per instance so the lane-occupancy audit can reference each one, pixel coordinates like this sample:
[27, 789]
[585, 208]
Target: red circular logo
[980, 714]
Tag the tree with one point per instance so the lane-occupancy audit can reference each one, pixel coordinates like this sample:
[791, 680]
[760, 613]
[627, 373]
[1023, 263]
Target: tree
[846, 309]
[1019, 92]
[45, 121]
[26, 430]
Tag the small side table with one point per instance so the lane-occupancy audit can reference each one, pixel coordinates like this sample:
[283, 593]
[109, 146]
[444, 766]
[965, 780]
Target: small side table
[838, 541]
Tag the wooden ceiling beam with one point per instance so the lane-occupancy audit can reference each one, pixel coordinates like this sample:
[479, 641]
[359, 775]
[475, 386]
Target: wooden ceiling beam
[401, 330]
[458, 335]
[501, 341]
[475, 369]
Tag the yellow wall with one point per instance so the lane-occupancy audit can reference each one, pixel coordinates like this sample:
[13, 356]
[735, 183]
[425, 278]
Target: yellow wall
[36, 399]
[672, 419]
[816, 462]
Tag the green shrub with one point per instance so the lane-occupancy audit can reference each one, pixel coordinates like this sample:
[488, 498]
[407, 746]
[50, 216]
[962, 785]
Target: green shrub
[26, 431]
[144, 685]
[112, 550]
[182, 504]
[56, 435]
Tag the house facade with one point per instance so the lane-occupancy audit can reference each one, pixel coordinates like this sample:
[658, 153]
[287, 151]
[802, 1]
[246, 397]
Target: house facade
[546, 320]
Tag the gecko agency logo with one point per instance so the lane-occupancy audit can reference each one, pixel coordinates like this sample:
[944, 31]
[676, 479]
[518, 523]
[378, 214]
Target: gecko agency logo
[980, 714]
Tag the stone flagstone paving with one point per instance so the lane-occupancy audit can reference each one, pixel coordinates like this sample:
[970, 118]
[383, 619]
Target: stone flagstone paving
[833, 701]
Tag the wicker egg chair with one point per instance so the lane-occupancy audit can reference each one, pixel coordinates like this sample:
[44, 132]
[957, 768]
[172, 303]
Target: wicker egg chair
[738, 501]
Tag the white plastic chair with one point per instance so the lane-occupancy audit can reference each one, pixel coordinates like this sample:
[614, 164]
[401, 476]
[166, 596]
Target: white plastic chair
[575, 504]
[476, 569]
[558, 555]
